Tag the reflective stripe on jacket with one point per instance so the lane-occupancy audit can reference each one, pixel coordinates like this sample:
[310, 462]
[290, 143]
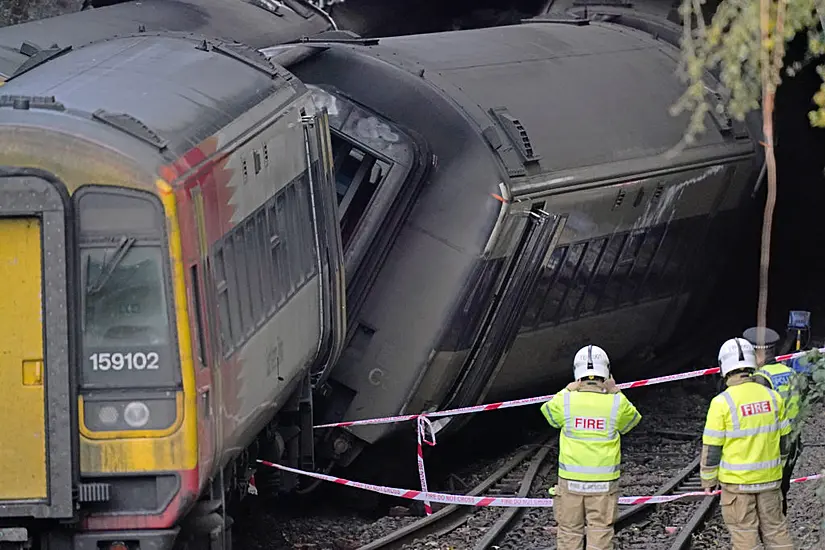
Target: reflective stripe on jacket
[747, 420]
[590, 424]
[780, 378]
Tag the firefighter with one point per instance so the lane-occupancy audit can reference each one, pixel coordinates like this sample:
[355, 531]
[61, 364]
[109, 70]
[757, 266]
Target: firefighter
[779, 377]
[591, 414]
[744, 445]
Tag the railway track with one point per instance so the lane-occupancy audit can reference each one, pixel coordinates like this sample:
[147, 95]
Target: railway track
[685, 481]
[516, 478]
[506, 481]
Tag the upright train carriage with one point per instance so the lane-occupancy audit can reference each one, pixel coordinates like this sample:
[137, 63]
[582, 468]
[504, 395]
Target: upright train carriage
[558, 213]
[173, 282]
[248, 22]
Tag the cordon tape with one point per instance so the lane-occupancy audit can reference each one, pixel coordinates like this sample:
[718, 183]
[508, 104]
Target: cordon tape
[505, 502]
[424, 426]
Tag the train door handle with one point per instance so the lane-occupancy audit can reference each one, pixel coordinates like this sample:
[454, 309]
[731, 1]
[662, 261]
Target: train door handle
[33, 372]
[205, 398]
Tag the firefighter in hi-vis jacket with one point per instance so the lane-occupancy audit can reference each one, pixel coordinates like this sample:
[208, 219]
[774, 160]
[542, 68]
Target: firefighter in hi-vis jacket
[744, 446]
[591, 414]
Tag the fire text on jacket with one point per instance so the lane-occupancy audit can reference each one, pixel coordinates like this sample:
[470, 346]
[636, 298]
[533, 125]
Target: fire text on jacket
[587, 423]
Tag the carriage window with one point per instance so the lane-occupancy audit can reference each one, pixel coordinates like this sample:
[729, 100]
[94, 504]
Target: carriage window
[357, 176]
[606, 273]
[267, 257]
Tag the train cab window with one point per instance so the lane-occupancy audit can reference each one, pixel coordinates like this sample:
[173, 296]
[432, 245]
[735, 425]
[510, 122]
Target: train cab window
[126, 329]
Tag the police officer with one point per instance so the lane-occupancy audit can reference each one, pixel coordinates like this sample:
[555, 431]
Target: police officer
[591, 413]
[778, 377]
[743, 446]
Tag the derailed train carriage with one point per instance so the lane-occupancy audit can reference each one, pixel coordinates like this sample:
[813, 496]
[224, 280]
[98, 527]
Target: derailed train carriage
[186, 207]
[558, 213]
[172, 273]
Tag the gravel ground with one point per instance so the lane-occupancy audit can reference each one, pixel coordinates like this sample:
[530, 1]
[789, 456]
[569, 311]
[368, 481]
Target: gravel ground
[652, 453]
[20, 11]
[805, 510]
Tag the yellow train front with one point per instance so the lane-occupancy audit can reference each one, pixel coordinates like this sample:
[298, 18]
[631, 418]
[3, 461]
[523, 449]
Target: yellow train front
[171, 275]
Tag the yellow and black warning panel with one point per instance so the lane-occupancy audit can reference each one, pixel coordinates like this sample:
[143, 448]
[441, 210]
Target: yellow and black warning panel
[37, 445]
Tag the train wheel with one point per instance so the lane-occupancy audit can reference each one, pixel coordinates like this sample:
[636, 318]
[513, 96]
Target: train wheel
[208, 527]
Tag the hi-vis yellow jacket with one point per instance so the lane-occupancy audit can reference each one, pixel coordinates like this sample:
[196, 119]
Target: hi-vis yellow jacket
[780, 378]
[591, 420]
[747, 421]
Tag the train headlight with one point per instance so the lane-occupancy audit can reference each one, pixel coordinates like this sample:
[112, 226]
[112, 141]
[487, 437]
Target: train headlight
[108, 415]
[143, 411]
[136, 414]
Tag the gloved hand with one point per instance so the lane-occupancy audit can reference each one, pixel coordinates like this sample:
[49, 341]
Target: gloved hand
[610, 385]
[573, 386]
[710, 490]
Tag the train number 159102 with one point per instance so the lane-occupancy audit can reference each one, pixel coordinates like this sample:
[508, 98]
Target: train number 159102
[128, 361]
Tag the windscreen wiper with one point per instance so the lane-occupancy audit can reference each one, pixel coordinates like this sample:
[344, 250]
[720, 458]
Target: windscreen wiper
[110, 266]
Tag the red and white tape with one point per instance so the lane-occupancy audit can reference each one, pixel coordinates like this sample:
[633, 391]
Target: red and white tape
[515, 403]
[506, 502]
[537, 400]
[423, 424]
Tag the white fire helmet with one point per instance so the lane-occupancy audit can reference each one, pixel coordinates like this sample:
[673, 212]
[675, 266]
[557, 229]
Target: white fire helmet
[591, 361]
[736, 353]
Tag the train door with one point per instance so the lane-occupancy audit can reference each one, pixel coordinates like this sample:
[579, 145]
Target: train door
[37, 440]
[207, 361]
[533, 238]
[21, 362]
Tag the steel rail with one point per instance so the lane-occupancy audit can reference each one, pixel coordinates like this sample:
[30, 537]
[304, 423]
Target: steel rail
[453, 516]
[506, 519]
[683, 541]
[683, 481]
[629, 515]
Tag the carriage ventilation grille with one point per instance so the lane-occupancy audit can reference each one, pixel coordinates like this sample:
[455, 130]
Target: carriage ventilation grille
[246, 55]
[31, 102]
[37, 56]
[611, 3]
[517, 133]
[132, 126]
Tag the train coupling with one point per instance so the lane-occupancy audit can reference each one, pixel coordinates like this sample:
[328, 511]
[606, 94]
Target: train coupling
[162, 539]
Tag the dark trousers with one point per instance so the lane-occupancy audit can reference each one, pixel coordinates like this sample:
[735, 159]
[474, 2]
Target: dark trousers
[787, 472]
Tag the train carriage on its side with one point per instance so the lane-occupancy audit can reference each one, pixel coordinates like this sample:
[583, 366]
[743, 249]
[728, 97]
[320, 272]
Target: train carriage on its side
[555, 216]
[173, 279]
